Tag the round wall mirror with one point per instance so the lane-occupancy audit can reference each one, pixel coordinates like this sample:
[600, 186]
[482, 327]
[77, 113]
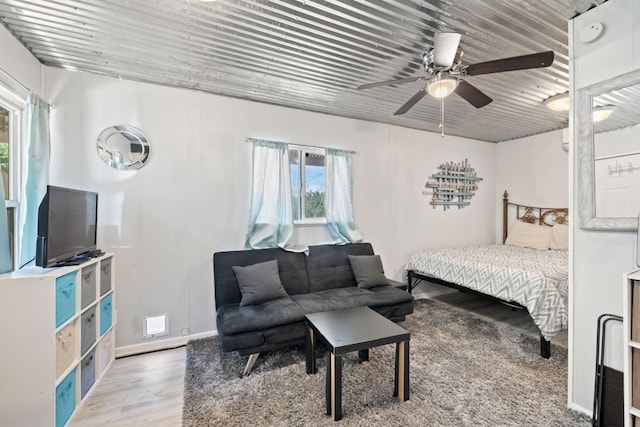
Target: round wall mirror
[123, 147]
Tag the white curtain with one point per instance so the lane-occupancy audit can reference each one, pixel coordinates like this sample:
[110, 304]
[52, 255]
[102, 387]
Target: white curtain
[36, 172]
[339, 199]
[271, 216]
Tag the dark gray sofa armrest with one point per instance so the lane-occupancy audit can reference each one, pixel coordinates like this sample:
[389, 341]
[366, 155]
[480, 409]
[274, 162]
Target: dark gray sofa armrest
[397, 284]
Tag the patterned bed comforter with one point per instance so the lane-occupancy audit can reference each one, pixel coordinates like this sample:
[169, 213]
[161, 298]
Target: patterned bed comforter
[533, 278]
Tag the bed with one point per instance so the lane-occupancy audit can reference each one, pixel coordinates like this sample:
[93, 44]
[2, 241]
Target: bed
[514, 273]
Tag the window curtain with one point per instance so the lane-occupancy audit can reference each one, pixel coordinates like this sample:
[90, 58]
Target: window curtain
[339, 198]
[5, 257]
[35, 176]
[271, 215]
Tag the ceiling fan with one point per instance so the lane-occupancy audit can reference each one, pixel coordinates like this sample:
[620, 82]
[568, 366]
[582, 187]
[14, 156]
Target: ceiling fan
[444, 72]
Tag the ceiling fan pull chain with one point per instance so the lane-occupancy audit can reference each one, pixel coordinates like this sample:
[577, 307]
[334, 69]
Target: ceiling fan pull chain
[442, 116]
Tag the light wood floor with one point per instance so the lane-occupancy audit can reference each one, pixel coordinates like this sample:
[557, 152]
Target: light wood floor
[146, 390]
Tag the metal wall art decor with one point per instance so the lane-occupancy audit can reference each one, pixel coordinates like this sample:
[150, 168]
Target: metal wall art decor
[454, 184]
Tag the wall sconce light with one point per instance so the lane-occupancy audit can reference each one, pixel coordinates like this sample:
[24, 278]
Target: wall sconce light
[558, 102]
[441, 87]
[602, 112]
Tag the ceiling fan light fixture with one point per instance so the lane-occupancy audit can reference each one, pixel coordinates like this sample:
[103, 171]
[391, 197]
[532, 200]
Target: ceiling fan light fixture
[602, 112]
[558, 102]
[441, 87]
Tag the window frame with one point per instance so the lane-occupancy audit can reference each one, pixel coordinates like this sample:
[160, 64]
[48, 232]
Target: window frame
[14, 99]
[303, 150]
[15, 120]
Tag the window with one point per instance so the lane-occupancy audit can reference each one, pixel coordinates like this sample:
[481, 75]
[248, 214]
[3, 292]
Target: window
[291, 184]
[307, 184]
[6, 161]
[12, 110]
[4, 173]
[4, 149]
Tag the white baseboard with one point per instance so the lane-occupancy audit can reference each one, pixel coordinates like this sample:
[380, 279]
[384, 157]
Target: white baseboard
[164, 344]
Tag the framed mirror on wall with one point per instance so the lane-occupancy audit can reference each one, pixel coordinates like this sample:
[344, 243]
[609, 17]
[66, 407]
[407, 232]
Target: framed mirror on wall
[607, 134]
[123, 147]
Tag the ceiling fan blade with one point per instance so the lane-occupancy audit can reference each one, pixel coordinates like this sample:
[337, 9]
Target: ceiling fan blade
[390, 82]
[472, 94]
[410, 103]
[445, 46]
[533, 60]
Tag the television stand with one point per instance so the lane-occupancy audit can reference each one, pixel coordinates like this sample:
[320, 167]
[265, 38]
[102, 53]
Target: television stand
[68, 327]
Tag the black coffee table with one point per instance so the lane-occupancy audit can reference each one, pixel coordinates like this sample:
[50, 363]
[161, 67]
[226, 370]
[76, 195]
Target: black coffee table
[354, 329]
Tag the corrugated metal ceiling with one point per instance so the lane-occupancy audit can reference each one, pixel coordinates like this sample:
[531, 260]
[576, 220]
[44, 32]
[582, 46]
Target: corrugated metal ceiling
[312, 54]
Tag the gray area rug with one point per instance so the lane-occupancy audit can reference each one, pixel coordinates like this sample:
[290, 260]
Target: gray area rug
[465, 371]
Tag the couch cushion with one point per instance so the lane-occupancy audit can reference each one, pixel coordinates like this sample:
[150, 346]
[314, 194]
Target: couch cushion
[334, 299]
[389, 295]
[397, 312]
[328, 266]
[368, 271]
[291, 266]
[259, 283]
[269, 339]
[233, 319]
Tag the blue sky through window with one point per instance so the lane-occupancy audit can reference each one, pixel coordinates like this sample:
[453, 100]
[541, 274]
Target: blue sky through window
[315, 178]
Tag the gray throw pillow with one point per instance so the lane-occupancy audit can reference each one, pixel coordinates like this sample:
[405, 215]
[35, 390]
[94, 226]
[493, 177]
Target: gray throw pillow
[259, 283]
[367, 270]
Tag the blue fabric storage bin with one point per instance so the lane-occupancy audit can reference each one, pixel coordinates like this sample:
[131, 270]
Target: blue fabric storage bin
[105, 313]
[65, 399]
[65, 298]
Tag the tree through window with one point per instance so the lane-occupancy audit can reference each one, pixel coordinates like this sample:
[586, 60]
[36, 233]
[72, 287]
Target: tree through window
[4, 149]
[12, 106]
[307, 184]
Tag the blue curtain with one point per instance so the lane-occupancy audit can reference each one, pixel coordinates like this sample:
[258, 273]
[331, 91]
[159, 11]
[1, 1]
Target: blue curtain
[338, 198]
[36, 174]
[271, 216]
[5, 256]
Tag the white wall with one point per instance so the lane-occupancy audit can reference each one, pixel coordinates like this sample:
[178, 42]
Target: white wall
[535, 172]
[166, 220]
[600, 258]
[18, 62]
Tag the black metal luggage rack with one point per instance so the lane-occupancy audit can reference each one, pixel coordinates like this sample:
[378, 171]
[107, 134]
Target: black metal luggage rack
[603, 319]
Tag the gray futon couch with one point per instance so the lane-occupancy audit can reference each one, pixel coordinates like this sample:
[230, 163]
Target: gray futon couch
[321, 281]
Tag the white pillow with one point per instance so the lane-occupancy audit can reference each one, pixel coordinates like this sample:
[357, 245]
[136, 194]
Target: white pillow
[559, 237]
[529, 235]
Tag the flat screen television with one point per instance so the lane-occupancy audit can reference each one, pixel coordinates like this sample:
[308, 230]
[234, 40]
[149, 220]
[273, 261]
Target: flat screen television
[67, 223]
